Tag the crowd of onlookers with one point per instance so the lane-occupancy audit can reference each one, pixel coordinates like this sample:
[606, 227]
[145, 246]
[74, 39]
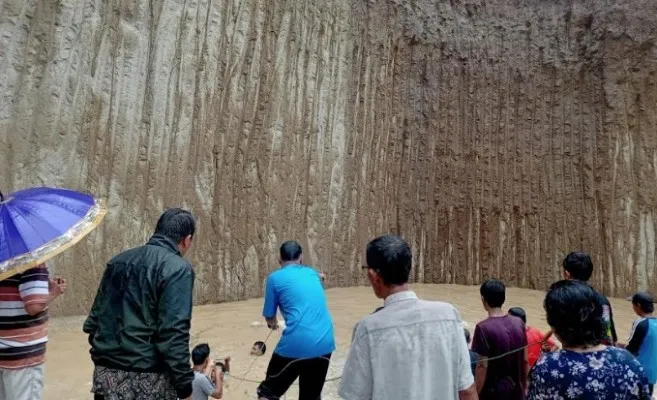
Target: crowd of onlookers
[408, 349]
[414, 349]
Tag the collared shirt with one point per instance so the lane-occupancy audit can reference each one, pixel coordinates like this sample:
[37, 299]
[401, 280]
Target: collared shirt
[410, 349]
[23, 336]
[297, 290]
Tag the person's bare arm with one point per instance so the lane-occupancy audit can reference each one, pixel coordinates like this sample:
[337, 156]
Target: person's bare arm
[480, 373]
[219, 386]
[56, 286]
[469, 393]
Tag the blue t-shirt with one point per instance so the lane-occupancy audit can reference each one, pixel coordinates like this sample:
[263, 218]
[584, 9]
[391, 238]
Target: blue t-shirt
[297, 290]
[643, 344]
[611, 373]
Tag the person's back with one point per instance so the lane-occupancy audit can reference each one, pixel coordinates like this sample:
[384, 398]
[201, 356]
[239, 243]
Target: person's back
[416, 349]
[611, 373]
[302, 301]
[128, 311]
[139, 323]
[496, 336]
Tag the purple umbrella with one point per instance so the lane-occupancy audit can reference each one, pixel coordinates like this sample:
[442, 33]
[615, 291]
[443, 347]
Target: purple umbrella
[37, 224]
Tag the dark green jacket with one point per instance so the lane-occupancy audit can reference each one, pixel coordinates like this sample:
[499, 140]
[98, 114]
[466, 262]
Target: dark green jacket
[141, 316]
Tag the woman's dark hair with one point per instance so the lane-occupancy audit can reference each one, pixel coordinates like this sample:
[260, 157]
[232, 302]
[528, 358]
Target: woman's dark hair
[574, 311]
[391, 258]
[494, 292]
[579, 265]
[200, 353]
[518, 312]
[176, 224]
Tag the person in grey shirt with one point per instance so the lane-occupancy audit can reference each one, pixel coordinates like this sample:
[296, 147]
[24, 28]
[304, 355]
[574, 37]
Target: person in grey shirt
[208, 380]
[410, 348]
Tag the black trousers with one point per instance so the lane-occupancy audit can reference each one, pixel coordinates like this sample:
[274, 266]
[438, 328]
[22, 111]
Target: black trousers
[99, 397]
[283, 371]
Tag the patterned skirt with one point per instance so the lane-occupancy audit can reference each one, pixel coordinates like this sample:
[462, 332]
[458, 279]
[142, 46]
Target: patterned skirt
[114, 384]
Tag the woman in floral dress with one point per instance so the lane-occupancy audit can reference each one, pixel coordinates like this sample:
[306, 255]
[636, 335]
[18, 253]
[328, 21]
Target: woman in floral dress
[584, 369]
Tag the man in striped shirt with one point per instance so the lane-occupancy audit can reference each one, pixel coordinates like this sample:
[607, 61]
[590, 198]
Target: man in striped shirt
[24, 300]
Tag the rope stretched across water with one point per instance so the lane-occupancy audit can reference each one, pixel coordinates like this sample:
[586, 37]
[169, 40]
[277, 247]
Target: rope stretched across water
[487, 359]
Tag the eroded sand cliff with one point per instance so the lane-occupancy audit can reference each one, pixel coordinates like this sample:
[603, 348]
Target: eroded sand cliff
[495, 135]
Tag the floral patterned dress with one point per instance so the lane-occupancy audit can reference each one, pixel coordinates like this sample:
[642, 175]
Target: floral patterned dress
[609, 374]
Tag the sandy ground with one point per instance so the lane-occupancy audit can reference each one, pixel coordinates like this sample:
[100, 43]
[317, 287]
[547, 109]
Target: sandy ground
[228, 329]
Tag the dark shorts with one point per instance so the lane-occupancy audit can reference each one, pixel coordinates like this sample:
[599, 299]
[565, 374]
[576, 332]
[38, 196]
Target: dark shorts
[283, 371]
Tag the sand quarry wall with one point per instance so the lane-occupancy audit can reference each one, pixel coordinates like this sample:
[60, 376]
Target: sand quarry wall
[495, 135]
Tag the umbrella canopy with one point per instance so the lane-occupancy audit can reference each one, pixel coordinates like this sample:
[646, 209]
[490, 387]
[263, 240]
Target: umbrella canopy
[37, 224]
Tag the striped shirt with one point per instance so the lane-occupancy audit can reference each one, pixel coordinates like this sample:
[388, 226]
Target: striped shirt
[23, 336]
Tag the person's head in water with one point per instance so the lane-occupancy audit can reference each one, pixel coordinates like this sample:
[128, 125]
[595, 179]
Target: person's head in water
[574, 312]
[290, 253]
[388, 261]
[578, 265]
[518, 312]
[201, 356]
[493, 294]
[258, 349]
[643, 304]
[178, 225]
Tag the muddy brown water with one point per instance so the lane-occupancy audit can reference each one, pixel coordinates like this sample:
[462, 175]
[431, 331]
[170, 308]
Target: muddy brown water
[228, 329]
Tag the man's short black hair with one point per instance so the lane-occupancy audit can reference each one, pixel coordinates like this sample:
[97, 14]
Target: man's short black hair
[644, 301]
[200, 354]
[290, 251]
[176, 224]
[494, 293]
[466, 332]
[391, 258]
[579, 265]
[518, 312]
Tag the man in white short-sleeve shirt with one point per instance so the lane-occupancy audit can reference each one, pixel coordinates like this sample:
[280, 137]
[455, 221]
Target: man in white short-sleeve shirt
[409, 348]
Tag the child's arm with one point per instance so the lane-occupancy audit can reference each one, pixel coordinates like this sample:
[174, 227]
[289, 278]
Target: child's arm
[227, 363]
[218, 386]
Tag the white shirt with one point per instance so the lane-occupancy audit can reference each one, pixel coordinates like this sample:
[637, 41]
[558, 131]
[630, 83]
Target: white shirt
[410, 349]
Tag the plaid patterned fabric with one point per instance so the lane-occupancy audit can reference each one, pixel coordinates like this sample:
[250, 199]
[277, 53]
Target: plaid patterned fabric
[114, 384]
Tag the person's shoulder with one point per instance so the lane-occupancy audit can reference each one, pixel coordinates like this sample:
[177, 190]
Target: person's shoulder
[444, 309]
[619, 354]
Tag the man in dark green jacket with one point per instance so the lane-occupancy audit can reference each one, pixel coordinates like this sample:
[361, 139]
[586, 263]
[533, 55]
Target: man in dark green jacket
[139, 323]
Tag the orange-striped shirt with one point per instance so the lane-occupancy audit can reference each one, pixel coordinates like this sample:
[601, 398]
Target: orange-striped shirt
[23, 336]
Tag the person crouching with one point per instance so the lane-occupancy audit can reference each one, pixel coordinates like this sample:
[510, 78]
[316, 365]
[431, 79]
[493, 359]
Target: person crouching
[208, 380]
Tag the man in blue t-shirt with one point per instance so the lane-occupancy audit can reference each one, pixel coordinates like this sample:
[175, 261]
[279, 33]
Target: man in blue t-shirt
[307, 342]
[643, 339]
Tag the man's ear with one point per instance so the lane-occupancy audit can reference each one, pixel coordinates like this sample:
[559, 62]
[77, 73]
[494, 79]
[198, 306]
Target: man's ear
[301, 259]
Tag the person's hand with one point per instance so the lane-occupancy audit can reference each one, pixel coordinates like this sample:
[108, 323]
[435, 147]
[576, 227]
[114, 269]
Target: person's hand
[57, 286]
[227, 363]
[273, 325]
[322, 276]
